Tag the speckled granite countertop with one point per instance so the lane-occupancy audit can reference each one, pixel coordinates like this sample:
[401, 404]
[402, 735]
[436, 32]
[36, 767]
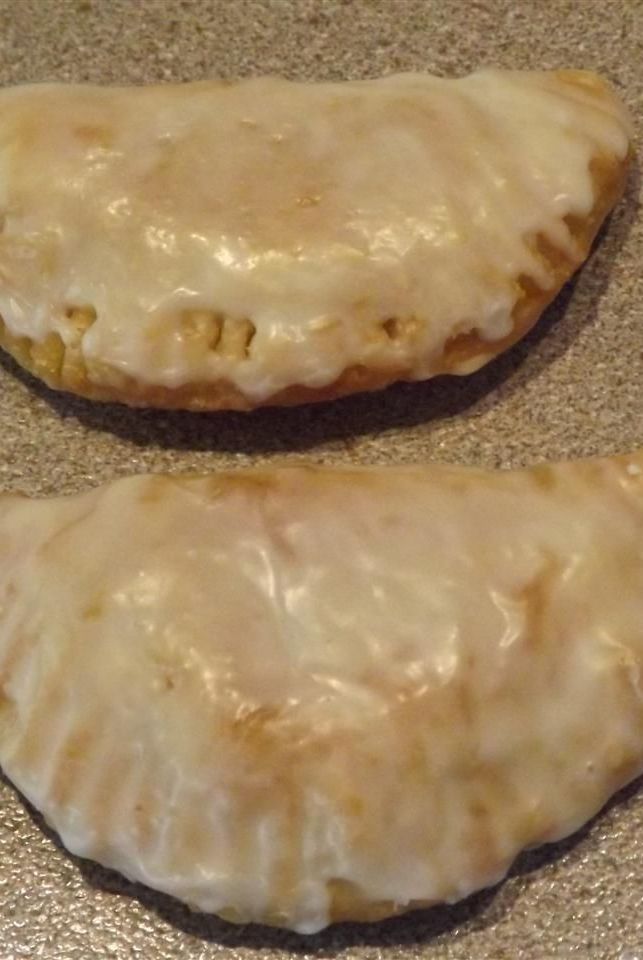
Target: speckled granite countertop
[573, 388]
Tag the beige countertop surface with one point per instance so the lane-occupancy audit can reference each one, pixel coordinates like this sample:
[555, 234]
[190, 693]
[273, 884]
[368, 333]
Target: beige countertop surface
[572, 388]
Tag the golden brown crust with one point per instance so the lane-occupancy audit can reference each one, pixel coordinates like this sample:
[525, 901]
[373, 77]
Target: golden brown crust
[63, 367]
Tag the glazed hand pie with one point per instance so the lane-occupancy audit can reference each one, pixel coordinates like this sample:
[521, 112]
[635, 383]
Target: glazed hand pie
[302, 695]
[219, 245]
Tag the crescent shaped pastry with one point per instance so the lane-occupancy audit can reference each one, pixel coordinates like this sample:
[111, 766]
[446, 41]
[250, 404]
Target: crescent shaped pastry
[218, 245]
[301, 695]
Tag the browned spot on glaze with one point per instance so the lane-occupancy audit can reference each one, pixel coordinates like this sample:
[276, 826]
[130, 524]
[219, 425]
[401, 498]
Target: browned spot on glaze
[535, 597]
[354, 806]
[252, 482]
[544, 477]
[583, 79]
[256, 722]
[153, 489]
[93, 135]
[310, 200]
[94, 610]
[360, 304]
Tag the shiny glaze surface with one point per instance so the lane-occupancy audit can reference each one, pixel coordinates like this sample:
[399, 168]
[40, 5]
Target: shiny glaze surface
[271, 234]
[295, 695]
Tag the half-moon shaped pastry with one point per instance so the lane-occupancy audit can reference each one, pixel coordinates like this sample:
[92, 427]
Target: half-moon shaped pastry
[221, 245]
[302, 695]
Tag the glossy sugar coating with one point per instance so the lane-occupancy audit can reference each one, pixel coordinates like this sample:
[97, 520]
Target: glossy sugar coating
[301, 695]
[215, 245]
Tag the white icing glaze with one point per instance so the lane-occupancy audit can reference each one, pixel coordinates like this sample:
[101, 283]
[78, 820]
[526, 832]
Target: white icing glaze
[246, 689]
[316, 212]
